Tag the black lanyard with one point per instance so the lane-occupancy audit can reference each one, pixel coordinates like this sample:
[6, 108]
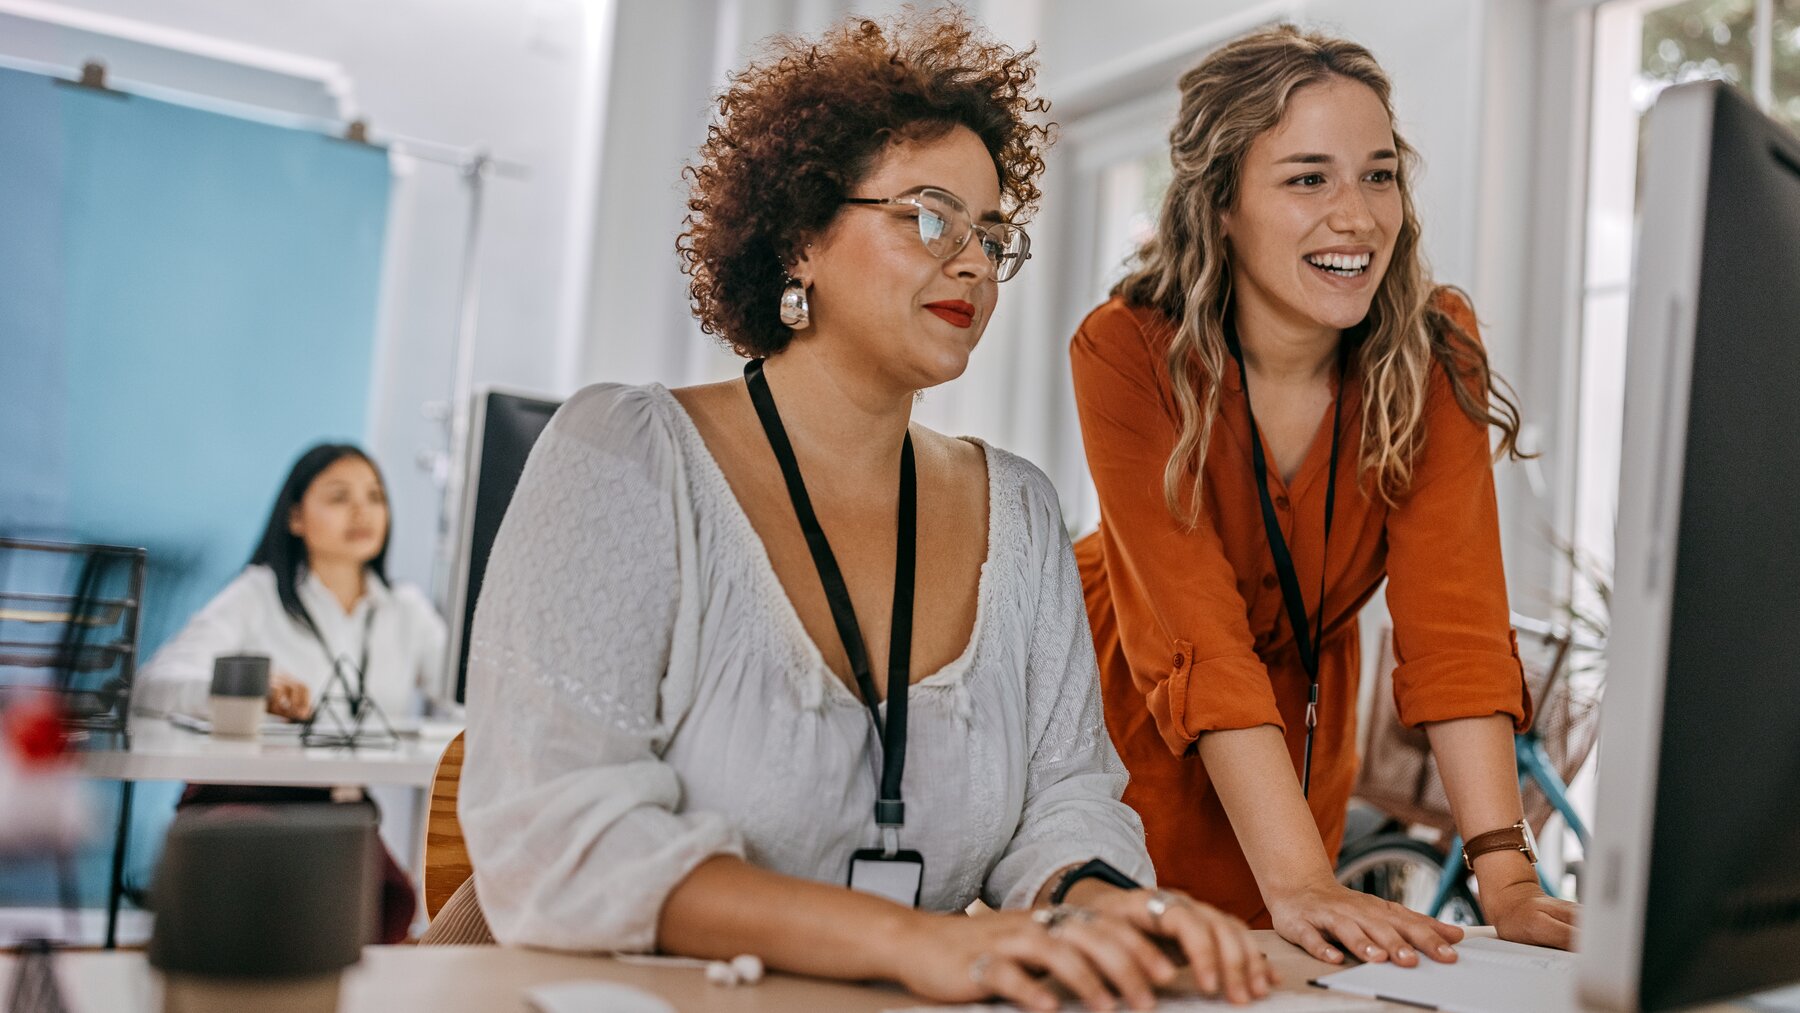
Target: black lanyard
[1307, 641]
[890, 812]
[362, 667]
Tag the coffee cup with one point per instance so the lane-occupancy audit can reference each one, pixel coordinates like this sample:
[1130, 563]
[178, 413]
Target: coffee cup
[240, 686]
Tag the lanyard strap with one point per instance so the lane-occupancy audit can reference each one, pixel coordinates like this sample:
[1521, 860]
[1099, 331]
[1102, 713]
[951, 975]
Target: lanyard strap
[362, 667]
[890, 811]
[1307, 641]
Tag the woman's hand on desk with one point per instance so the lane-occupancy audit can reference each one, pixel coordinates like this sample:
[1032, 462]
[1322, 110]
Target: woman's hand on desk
[289, 697]
[1218, 946]
[1523, 913]
[1101, 950]
[1369, 928]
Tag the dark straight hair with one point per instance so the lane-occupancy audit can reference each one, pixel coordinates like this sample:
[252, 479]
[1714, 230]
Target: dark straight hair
[283, 551]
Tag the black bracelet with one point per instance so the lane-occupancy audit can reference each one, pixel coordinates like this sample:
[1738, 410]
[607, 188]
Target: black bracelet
[1093, 869]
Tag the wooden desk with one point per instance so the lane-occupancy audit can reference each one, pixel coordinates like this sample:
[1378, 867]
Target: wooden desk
[492, 979]
[450, 979]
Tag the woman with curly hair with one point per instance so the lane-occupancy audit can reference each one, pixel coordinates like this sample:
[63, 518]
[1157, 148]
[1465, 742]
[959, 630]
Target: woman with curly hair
[1237, 543]
[763, 666]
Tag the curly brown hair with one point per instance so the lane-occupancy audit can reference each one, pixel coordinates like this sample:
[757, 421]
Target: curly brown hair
[797, 129]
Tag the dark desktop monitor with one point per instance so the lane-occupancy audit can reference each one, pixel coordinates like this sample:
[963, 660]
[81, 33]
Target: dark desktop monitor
[1696, 865]
[503, 428]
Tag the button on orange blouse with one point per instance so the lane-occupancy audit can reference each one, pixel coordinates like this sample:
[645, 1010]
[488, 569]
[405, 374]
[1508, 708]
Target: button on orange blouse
[1189, 624]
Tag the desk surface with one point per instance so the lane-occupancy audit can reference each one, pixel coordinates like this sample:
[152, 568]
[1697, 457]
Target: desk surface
[451, 979]
[162, 752]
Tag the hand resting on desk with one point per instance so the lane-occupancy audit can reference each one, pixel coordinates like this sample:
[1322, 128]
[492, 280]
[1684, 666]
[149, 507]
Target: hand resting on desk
[289, 697]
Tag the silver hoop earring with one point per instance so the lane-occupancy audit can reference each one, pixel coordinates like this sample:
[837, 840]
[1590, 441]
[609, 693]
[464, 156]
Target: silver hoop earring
[795, 313]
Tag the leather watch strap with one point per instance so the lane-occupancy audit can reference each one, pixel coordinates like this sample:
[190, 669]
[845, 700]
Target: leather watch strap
[1513, 838]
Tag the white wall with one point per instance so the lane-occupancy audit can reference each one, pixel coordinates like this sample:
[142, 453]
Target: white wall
[604, 102]
[518, 80]
[1463, 72]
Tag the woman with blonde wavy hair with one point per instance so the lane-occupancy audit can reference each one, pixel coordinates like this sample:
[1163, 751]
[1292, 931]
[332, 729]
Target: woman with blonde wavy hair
[1281, 410]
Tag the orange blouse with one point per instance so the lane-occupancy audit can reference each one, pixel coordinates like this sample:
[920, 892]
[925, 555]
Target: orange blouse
[1189, 624]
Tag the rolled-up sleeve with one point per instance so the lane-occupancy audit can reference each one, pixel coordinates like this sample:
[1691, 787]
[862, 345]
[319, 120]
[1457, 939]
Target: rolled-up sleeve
[574, 823]
[1183, 625]
[1073, 778]
[1453, 640]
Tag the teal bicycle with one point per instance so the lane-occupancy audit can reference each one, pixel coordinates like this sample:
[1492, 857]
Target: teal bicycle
[1382, 857]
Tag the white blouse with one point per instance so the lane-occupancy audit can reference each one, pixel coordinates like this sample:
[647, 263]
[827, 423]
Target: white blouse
[642, 696]
[405, 642]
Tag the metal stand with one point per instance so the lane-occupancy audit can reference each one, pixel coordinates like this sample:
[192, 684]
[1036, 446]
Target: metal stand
[115, 887]
[346, 719]
[34, 986]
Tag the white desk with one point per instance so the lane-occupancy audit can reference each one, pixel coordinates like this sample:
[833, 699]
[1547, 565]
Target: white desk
[492, 979]
[161, 752]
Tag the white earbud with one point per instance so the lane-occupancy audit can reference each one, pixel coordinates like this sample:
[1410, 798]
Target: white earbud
[749, 969]
[742, 970]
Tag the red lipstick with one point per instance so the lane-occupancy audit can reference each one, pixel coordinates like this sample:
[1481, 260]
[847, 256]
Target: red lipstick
[955, 311]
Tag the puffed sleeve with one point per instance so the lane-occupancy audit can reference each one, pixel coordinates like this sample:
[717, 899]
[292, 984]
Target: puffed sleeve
[178, 679]
[1073, 777]
[574, 823]
[1183, 625]
[1453, 635]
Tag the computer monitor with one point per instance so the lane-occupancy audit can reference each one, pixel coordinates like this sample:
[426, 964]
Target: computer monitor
[1696, 863]
[503, 427]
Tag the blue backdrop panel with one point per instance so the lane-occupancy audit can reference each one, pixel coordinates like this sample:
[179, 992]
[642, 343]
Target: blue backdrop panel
[187, 300]
[190, 302]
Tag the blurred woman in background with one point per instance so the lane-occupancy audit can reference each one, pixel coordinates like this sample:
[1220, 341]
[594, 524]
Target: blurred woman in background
[316, 600]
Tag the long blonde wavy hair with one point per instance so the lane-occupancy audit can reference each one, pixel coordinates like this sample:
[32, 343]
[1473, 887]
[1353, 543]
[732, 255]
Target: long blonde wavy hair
[1235, 95]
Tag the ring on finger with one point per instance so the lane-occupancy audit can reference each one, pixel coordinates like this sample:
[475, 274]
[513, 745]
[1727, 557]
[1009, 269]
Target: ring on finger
[1158, 904]
[1053, 917]
[978, 970]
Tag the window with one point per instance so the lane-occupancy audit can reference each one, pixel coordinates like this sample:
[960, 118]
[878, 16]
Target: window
[1640, 48]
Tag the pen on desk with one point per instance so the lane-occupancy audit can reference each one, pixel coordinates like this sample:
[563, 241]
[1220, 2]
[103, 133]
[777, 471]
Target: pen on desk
[1316, 983]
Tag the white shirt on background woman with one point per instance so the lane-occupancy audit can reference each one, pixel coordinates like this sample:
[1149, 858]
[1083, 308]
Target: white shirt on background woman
[405, 642]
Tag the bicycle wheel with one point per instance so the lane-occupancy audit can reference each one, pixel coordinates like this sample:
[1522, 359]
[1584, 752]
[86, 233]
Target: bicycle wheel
[1406, 871]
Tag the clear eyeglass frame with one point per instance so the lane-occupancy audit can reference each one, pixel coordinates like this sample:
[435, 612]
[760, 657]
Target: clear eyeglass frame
[945, 226]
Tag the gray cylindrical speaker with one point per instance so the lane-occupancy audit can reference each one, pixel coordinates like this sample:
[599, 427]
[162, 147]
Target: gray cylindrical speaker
[263, 904]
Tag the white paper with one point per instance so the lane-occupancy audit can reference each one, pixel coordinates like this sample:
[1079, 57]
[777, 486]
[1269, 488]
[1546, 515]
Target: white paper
[1279, 1002]
[1489, 976]
[594, 997]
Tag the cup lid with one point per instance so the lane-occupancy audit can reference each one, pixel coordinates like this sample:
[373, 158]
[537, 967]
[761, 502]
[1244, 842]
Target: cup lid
[241, 675]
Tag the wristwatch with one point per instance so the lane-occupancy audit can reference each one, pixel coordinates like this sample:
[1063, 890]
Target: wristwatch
[1517, 837]
[1094, 869]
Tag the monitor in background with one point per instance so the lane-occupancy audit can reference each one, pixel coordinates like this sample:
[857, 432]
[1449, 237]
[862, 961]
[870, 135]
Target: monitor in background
[1696, 866]
[502, 430]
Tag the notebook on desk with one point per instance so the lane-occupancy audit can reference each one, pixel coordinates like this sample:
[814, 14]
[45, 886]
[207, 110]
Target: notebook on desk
[1489, 976]
[281, 728]
[271, 727]
[1279, 1002]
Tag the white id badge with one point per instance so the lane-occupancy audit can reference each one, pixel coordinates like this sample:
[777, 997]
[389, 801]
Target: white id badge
[899, 878]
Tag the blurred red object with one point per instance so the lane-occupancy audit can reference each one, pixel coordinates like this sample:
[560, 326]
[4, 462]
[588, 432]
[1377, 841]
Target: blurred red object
[32, 726]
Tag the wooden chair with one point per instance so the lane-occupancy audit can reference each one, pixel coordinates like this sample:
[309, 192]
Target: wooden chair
[446, 857]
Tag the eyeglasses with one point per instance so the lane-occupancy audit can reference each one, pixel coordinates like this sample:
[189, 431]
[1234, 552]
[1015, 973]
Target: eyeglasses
[945, 226]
